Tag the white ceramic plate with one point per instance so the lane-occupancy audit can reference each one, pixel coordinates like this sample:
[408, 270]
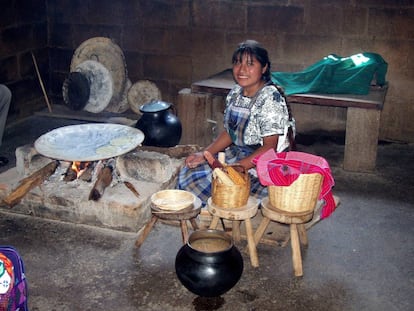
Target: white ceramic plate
[88, 142]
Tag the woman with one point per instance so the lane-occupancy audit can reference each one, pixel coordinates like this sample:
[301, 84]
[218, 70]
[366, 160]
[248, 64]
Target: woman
[256, 119]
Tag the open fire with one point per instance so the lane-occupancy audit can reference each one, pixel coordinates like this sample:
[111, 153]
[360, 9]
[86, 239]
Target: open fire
[79, 170]
[102, 172]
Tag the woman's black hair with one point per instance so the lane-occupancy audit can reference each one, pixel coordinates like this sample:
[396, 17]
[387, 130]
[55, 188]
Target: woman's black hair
[253, 48]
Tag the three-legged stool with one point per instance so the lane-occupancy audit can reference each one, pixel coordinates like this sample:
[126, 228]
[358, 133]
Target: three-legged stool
[296, 223]
[237, 215]
[181, 216]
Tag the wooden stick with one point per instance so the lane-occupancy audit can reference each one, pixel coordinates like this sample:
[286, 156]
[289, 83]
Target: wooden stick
[41, 83]
[104, 180]
[29, 183]
[132, 188]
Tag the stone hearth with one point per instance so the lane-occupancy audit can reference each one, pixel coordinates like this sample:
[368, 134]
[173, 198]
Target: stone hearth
[148, 169]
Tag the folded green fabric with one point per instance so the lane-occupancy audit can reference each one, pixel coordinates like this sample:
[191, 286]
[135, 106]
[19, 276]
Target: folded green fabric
[336, 75]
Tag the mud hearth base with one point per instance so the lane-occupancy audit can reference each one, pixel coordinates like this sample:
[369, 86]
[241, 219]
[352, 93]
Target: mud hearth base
[119, 208]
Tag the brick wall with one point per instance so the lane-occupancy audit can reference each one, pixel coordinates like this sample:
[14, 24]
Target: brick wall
[23, 31]
[176, 42]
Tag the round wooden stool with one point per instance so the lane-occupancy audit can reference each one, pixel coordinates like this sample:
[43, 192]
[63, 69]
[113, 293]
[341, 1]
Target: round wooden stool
[237, 215]
[296, 221]
[181, 216]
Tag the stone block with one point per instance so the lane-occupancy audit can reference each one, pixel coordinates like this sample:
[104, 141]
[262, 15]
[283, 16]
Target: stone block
[219, 15]
[401, 26]
[268, 18]
[165, 13]
[167, 67]
[324, 20]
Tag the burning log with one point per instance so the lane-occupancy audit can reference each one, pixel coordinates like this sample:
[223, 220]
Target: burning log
[87, 173]
[104, 180]
[70, 174]
[30, 182]
[79, 170]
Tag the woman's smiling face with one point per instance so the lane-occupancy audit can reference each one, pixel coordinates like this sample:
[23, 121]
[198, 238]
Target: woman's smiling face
[247, 72]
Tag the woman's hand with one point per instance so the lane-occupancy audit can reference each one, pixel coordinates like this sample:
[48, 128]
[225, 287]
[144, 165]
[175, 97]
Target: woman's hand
[219, 144]
[194, 160]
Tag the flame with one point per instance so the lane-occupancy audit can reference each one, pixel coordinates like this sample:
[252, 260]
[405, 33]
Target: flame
[79, 167]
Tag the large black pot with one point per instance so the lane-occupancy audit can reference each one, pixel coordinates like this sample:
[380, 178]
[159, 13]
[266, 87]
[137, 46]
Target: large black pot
[209, 264]
[160, 126]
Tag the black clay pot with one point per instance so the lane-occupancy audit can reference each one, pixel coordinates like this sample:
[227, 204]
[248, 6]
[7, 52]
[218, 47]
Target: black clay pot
[160, 126]
[209, 264]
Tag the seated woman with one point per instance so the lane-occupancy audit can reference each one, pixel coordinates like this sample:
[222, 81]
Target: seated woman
[256, 119]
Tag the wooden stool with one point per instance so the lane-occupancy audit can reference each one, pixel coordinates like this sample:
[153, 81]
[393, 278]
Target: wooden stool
[181, 216]
[236, 215]
[296, 222]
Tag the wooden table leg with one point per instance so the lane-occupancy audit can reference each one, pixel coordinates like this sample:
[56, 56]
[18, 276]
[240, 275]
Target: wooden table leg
[361, 139]
[141, 238]
[184, 230]
[254, 259]
[296, 256]
[214, 222]
[261, 230]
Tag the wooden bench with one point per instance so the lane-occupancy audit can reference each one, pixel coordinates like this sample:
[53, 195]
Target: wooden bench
[362, 117]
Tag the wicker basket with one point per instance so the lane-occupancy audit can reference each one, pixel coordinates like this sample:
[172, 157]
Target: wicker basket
[230, 196]
[300, 196]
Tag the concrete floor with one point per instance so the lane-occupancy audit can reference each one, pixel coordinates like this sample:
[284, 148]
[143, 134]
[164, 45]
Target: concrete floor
[360, 258]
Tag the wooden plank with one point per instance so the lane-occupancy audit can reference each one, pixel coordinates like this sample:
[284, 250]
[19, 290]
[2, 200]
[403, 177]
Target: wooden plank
[29, 183]
[374, 100]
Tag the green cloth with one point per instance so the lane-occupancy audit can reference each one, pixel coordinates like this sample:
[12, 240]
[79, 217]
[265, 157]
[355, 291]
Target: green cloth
[335, 75]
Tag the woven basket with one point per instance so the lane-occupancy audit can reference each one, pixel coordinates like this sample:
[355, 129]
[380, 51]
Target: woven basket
[173, 200]
[230, 196]
[300, 196]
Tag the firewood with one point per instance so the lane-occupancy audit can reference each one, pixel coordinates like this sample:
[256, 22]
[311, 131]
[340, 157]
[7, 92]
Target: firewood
[29, 183]
[104, 180]
[70, 175]
[87, 173]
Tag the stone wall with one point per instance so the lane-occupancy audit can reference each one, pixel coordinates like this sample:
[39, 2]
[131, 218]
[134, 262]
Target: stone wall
[23, 31]
[176, 42]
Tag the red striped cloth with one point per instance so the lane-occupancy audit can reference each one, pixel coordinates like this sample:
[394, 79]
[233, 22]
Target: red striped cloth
[283, 168]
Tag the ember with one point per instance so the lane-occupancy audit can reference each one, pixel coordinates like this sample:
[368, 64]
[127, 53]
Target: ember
[79, 170]
[79, 167]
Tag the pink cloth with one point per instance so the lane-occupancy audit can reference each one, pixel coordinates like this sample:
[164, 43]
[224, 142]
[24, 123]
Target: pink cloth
[283, 168]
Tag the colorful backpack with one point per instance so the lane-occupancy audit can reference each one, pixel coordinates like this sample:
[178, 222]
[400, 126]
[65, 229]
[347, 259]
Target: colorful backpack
[13, 284]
